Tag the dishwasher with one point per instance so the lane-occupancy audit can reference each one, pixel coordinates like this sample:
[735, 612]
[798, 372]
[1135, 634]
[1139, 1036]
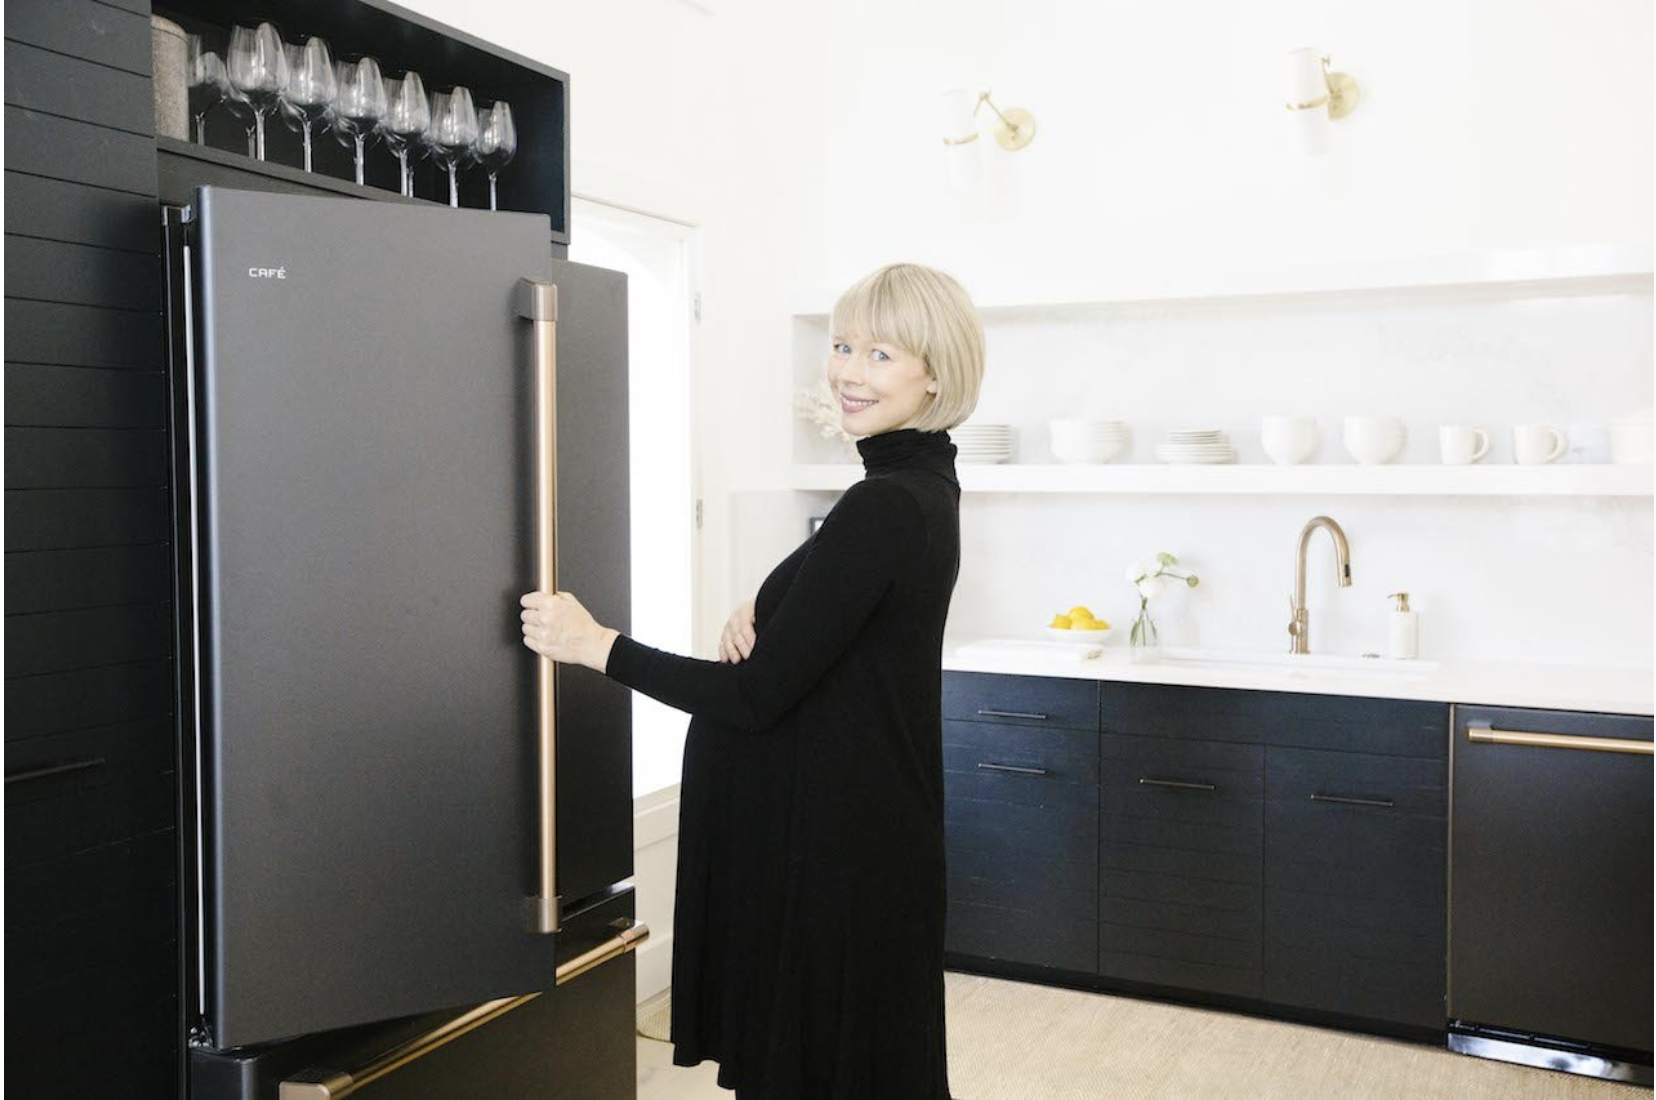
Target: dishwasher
[1550, 904]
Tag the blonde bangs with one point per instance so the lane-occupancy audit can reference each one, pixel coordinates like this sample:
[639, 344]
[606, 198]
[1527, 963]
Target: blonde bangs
[929, 315]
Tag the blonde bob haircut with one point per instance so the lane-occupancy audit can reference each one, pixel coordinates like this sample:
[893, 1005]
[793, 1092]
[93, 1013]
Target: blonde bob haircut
[929, 315]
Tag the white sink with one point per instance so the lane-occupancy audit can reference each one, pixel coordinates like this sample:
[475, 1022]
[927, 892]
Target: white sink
[1327, 664]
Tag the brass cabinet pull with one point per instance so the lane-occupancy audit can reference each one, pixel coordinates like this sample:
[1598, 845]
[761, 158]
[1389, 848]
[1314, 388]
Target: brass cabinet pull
[53, 769]
[1011, 714]
[1012, 768]
[1205, 788]
[331, 1084]
[1483, 733]
[1383, 803]
[536, 301]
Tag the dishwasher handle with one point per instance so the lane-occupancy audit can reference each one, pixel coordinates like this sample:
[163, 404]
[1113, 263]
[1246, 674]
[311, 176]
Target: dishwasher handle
[1484, 733]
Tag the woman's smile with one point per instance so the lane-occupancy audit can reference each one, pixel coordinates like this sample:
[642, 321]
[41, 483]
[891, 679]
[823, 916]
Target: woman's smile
[852, 405]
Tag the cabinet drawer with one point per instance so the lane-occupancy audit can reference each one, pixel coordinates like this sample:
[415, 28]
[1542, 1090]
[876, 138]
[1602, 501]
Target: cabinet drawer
[1021, 700]
[1063, 939]
[1161, 782]
[1013, 764]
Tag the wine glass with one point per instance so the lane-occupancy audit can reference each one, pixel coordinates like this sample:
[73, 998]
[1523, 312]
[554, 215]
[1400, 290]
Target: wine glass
[243, 112]
[209, 84]
[407, 118]
[257, 67]
[311, 87]
[361, 103]
[496, 143]
[453, 133]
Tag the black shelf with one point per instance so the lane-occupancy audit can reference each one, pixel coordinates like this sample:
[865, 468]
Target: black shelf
[537, 180]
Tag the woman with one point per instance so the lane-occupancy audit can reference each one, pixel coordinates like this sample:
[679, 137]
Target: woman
[808, 924]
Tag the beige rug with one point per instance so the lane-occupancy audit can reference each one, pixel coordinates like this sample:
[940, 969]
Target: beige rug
[1021, 1041]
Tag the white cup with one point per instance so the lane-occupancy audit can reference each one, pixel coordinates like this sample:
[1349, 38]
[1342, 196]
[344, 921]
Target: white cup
[1537, 444]
[1373, 439]
[1462, 444]
[1288, 438]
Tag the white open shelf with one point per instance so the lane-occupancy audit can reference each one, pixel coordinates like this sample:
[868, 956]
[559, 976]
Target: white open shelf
[1599, 269]
[1573, 479]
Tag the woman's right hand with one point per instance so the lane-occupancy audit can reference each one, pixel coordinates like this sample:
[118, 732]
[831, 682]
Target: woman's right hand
[736, 642]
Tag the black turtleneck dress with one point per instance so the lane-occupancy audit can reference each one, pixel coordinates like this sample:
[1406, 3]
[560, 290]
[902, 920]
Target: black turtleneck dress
[808, 923]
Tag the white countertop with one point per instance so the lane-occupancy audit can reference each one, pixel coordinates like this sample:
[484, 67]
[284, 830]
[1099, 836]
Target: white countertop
[1603, 688]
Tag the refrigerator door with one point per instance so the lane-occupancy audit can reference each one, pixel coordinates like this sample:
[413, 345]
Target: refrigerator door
[363, 508]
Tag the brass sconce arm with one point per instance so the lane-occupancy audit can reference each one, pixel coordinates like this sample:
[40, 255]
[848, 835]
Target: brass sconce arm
[1015, 129]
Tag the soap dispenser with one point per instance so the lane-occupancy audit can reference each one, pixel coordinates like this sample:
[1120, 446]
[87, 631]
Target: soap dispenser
[1405, 629]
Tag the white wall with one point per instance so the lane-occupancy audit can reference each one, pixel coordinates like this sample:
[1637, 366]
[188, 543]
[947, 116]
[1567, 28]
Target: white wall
[1162, 147]
[1161, 134]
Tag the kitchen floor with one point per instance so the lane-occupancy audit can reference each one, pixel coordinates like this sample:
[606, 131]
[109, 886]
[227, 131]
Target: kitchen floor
[1021, 1041]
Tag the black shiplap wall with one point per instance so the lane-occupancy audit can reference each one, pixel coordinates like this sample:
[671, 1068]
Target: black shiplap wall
[91, 863]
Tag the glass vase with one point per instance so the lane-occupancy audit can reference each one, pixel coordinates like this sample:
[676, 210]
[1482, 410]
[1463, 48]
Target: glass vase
[1143, 642]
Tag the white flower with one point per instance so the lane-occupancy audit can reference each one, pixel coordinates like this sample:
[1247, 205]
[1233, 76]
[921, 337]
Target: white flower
[1135, 570]
[1151, 587]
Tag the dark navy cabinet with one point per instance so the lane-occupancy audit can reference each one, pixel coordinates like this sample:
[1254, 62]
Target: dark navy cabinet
[1180, 837]
[1275, 849]
[1020, 759]
[1355, 878]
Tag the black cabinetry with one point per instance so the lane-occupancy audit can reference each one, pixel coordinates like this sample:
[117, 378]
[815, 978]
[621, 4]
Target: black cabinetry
[1020, 759]
[1269, 849]
[1355, 874]
[91, 935]
[1179, 862]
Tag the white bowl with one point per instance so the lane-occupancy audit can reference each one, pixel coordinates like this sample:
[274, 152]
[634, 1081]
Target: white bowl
[1078, 635]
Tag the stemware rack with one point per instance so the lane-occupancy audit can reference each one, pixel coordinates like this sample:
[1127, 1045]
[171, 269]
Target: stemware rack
[537, 180]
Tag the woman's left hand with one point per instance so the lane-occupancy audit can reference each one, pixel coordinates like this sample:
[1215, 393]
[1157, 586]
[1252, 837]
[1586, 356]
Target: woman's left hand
[557, 626]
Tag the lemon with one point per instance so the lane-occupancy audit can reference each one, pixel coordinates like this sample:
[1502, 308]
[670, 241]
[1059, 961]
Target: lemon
[1080, 612]
[1062, 622]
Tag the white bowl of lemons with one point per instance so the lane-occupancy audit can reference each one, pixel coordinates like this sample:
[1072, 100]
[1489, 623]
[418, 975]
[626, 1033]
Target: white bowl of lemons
[1078, 625]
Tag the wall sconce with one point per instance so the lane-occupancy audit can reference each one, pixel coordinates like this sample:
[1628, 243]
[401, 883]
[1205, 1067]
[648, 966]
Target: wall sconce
[1014, 129]
[1310, 87]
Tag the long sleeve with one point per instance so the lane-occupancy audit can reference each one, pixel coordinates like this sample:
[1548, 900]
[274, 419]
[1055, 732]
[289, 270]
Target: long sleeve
[866, 541]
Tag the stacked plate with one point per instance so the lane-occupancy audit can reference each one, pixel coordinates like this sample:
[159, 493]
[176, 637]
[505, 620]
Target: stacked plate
[1195, 445]
[982, 443]
[1086, 441]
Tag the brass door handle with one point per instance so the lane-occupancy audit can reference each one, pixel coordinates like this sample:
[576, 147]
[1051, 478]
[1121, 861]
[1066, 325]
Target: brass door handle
[536, 301]
[1485, 734]
[332, 1084]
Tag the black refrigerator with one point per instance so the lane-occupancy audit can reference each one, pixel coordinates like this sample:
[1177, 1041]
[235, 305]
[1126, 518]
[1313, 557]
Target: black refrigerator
[401, 831]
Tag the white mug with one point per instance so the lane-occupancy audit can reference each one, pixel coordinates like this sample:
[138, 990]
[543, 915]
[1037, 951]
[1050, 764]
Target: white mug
[1537, 444]
[1462, 444]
